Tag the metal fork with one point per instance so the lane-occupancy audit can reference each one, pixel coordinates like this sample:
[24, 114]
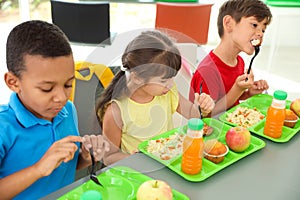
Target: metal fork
[93, 176]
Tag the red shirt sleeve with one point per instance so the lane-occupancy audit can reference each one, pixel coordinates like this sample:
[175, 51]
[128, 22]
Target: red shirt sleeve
[212, 81]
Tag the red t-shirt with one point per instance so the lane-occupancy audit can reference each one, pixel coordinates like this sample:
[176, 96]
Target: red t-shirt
[218, 78]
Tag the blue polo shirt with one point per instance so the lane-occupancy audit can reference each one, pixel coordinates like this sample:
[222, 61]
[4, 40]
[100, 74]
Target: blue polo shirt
[24, 139]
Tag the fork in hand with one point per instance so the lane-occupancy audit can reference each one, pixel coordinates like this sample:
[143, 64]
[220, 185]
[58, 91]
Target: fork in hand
[93, 176]
[255, 54]
[199, 108]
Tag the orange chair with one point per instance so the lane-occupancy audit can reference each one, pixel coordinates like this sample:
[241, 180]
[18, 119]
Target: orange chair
[185, 22]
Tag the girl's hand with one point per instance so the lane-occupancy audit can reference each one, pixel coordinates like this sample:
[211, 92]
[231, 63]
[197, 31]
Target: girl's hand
[206, 103]
[258, 87]
[61, 151]
[97, 142]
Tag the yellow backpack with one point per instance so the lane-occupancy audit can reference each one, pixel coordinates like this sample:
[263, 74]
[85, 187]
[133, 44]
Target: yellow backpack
[102, 72]
[89, 78]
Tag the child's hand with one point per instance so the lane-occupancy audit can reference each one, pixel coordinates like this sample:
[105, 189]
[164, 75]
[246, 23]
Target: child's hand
[258, 87]
[206, 103]
[99, 145]
[61, 151]
[242, 84]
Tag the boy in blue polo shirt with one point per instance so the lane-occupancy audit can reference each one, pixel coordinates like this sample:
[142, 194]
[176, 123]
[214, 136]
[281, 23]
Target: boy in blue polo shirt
[39, 139]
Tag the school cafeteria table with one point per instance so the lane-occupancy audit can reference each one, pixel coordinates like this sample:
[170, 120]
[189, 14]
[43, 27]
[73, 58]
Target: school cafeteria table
[271, 173]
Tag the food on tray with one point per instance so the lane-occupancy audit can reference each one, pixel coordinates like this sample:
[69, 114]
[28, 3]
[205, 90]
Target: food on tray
[171, 147]
[290, 118]
[153, 190]
[238, 138]
[245, 117]
[207, 130]
[215, 151]
[295, 106]
[255, 42]
[209, 169]
[166, 148]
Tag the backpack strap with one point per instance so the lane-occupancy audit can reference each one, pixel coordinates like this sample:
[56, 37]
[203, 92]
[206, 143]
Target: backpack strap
[103, 73]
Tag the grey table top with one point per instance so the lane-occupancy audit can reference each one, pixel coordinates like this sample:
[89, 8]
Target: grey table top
[270, 173]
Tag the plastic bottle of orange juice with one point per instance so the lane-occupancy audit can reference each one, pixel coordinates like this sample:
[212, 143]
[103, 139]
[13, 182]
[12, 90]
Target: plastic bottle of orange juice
[193, 147]
[275, 115]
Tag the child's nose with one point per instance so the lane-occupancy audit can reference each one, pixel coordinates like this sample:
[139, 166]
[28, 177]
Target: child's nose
[60, 95]
[260, 33]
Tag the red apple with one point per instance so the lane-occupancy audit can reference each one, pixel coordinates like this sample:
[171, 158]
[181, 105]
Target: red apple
[238, 138]
[295, 106]
[153, 190]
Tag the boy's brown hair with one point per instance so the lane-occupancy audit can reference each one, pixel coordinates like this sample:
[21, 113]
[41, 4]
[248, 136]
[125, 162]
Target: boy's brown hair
[243, 8]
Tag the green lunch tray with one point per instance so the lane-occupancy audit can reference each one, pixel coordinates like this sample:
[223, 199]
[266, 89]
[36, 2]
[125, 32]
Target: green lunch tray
[120, 183]
[208, 168]
[262, 102]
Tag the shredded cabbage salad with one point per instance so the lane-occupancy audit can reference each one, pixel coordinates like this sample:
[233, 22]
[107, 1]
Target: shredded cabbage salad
[166, 148]
[245, 117]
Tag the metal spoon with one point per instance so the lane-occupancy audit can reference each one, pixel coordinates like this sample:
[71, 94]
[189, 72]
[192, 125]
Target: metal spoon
[93, 176]
[255, 54]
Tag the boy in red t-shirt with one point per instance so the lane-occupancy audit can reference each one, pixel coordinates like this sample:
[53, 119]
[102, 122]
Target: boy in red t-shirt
[222, 71]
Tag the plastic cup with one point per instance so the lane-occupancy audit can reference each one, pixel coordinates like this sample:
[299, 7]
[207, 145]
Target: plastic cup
[216, 158]
[290, 123]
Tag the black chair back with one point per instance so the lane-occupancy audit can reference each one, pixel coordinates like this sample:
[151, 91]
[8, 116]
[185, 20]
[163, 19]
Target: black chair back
[82, 21]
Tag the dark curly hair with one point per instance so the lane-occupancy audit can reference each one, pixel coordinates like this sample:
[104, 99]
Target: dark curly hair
[34, 37]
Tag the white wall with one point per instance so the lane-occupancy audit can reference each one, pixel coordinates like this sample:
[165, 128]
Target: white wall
[4, 91]
[285, 25]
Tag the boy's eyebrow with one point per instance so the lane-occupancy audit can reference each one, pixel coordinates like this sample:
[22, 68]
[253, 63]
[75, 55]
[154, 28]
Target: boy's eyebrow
[51, 82]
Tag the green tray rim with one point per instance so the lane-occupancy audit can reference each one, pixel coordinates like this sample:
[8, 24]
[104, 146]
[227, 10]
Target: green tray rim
[288, 133]
[137, 177]
[256, 142]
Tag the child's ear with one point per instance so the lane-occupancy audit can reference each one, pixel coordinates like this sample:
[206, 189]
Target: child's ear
[12, 81]
[228, 23]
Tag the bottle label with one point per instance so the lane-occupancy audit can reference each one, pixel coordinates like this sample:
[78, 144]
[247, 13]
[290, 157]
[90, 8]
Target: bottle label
[194, 133]
[279, 104]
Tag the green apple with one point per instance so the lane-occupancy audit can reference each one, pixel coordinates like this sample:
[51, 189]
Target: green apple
[295, 106]
[153, 190]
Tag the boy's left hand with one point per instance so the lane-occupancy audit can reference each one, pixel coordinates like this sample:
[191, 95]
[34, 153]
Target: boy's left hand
[97, 142]
[258, 87]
